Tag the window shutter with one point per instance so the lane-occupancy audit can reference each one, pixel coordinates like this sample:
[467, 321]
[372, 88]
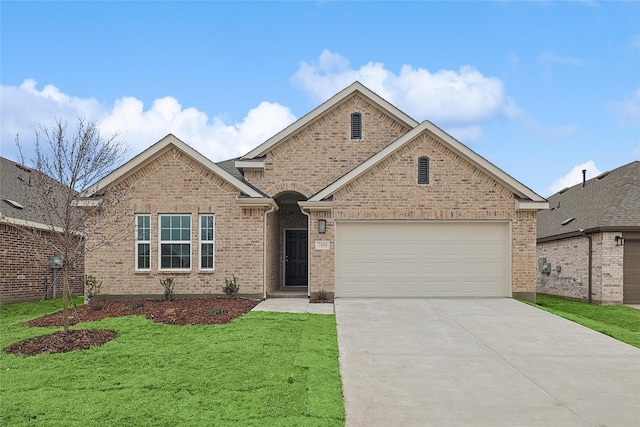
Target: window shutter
[356, 126]
[423, 170]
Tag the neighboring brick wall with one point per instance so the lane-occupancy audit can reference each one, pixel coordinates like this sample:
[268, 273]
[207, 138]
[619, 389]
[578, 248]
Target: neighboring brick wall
[175, 184]
[324, 151]
[457, 191]
[572, 255]
[24, 270]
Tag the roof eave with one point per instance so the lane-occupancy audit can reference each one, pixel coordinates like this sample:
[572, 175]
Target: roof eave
[156, 151]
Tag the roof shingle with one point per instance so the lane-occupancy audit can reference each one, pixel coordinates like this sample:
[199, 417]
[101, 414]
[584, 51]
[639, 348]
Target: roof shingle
[608, 201]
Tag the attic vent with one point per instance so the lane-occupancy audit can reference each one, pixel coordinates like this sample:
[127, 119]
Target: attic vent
[423, 170]
[602, 175]
[14, 203]
[563, 190]
[567, 221]
[356, 126]
[23, 168]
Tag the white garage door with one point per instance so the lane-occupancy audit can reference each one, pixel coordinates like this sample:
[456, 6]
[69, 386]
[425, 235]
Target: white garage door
[422, 259]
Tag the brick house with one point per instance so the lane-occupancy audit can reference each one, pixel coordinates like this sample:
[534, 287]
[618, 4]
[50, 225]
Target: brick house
[589, 239]
[25, 272]
[354, 199]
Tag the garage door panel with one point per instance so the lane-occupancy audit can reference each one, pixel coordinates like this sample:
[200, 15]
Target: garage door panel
[422, 259]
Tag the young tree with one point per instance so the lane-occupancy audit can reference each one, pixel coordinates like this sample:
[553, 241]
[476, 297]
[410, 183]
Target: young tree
[66, 164]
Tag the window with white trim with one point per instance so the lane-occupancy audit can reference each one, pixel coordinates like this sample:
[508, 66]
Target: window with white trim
[423, 170]
[175, 242]
[356, 126]
[143, 242]
[207, 242]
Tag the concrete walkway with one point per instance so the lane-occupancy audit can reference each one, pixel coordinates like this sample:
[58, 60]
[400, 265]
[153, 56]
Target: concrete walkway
[294, 305]
[480, 362]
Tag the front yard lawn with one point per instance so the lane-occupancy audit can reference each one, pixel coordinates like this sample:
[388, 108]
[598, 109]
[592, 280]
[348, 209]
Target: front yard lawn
[619, 322]
[275, 369]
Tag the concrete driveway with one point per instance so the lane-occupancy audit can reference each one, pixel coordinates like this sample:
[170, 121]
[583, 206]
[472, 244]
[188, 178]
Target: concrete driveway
[480, 362]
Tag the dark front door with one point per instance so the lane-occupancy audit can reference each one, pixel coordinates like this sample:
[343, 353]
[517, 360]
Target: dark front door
[296, 258]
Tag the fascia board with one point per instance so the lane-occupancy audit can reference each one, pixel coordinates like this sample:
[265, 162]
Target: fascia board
[516, 186]
[263, 148]
[154, 152]
[30, 224]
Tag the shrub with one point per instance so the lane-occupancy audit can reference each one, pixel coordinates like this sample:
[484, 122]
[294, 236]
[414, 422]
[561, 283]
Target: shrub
[91, 289]
[231, 287]
[168, 288]
[218, 310]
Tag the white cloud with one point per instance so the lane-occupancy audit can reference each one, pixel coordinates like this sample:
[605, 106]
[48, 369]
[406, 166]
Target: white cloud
[574, 176]
[628, 109]
[25, 107]
[552, 133]
[549, 57]
[451, 98]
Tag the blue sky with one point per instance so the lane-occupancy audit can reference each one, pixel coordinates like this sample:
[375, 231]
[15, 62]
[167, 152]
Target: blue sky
[542, 89]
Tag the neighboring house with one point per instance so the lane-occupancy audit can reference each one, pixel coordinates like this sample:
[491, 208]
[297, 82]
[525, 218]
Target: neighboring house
[25, 271]
[355, 199]
[589, 239]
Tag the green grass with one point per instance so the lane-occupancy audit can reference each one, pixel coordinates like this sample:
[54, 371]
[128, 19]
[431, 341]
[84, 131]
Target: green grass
[275, 369]
[619, 322]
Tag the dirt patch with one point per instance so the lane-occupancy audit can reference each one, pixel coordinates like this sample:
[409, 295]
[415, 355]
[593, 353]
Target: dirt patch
[61, 342]
[190, 311]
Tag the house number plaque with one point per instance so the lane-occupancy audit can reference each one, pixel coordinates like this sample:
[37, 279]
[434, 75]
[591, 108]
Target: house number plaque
[322, 244]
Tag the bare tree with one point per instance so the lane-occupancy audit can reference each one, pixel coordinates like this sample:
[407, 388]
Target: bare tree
[67, 163]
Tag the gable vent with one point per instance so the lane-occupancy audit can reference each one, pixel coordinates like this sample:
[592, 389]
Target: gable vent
[356, 126]
[423, 170]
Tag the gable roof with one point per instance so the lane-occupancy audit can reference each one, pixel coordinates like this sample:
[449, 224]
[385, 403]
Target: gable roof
[610, 201]
[263, 148]
[20, 195]
[523, 193]
[159, 148]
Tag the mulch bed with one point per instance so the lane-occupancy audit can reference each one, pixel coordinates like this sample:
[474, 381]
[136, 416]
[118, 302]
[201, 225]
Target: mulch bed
[189, 311]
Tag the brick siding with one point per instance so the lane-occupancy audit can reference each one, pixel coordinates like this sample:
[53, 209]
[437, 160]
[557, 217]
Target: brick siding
[175, 184]
[457, 191]
[24, 271]
[572, 255]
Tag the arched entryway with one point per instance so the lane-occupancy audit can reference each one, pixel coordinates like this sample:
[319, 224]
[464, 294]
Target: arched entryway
[287, 245]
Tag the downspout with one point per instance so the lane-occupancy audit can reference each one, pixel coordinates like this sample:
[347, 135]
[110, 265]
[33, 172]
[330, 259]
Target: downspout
[264, 251]
[308, 251]
[590, 286]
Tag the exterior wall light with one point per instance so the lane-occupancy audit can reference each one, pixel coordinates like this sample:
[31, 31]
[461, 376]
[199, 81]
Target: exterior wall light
[619, 240]
[322, 226]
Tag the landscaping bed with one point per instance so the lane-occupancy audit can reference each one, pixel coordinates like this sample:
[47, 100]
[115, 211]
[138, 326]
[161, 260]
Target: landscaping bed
[192, 311]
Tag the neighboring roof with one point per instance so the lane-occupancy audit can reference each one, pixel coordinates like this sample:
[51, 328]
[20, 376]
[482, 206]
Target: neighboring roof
[263, 148]
[20, 202]
[519, 189]
[160, 148]
[610, 201]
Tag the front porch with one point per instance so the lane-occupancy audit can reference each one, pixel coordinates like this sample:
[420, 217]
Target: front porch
[287, 249]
